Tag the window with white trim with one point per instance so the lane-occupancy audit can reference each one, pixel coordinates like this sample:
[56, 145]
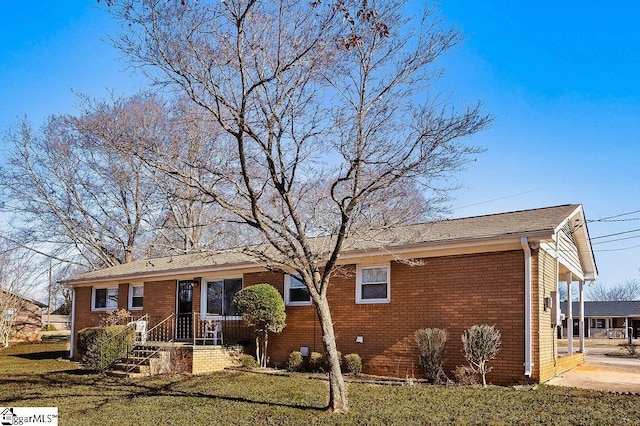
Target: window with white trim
[104, 299]
[217, 296]
[373, 284]
[136, 296]
[295, 291]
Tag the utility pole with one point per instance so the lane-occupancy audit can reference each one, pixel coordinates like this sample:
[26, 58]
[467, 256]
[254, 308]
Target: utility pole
[49, 297]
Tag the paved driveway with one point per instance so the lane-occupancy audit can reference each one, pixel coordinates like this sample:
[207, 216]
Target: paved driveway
[601, 372]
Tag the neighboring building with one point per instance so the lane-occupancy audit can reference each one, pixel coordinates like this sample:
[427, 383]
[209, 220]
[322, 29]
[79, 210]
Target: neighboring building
[60, 322]
[606, 319]
[24, 313]
[501, 269]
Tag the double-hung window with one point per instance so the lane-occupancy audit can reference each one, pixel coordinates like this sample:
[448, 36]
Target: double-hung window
[104, 299]
[217, 296]
[373, 284]
[295, 292]
[136, 297]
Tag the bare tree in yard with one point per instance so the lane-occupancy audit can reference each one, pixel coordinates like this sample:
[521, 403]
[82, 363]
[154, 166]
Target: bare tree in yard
[15, 271]
[318, 132]
[70, 196]
[190, 221]
[627, 290]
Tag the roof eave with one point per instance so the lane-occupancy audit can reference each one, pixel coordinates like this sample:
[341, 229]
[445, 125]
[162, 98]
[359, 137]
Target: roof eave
[401, 250]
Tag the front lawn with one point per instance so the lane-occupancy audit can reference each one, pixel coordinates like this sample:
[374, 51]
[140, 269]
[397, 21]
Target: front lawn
[32, 375]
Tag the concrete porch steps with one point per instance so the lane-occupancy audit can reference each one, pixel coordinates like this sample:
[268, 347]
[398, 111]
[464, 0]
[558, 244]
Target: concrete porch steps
[138, 363]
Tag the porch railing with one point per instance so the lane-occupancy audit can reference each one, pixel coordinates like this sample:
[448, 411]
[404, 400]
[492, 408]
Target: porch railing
[209, 329]
[110, 357]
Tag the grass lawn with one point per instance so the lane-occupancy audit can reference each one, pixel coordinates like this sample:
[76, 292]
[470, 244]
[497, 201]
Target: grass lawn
[34, 375]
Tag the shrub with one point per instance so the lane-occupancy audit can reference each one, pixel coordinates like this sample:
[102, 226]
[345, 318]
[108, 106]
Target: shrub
[248, 361]
[295, 362]
[354, 363]
[632, 349]
[465, 375]
[431, 350]
[100, 347]
[315, 361]
[480, 344]
[121, 317]
[49, 327]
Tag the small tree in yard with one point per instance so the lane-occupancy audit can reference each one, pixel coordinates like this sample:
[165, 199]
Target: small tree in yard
[431, 348]
[262, 308]
[480, 344]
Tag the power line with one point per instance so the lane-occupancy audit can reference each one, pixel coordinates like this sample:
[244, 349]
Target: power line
[615, 220]
[505, 197]
[617, 233]
[616, 239]
[603, 219]
[619, 249]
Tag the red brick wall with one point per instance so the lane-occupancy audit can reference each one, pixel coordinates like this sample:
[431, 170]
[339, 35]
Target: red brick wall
[453, 292]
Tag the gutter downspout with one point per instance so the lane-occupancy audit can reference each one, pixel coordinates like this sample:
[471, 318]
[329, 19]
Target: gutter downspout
[527, 307]
[72, 342]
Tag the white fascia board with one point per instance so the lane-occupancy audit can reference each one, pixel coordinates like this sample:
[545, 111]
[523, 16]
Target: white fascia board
[463, 246]
[179, 273]
[571, 215]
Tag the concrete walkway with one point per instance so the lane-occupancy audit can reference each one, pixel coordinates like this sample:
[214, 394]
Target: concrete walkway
[601, 372]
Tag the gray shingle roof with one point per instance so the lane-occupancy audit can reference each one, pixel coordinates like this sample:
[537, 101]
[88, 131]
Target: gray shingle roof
[605, 309]
[523, 222]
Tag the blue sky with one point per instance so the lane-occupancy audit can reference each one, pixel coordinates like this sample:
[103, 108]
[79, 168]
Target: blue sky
[562, 80]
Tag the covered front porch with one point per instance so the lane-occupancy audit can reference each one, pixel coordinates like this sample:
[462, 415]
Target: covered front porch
[184, 343]
[192, 329]
[571, 317]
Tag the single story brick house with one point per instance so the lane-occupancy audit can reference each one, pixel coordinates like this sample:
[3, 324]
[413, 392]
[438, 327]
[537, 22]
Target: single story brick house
[610, 319]
[25, 315]
[501, 269]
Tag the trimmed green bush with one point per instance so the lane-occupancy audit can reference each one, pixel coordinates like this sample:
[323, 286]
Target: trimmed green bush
[295, 362]
[354, 363]
[315, 361]
[431, 349]
[49, 327]
[248, 361]
[100, 347]
[262, 308]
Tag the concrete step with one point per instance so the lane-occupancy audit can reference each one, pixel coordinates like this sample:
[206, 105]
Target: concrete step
[130, 368]
[124, 375]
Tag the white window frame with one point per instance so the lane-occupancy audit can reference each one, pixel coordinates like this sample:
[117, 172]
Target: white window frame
[203, 298]
[359, 298]
[131, 307]
[287, 296]
[93, 298]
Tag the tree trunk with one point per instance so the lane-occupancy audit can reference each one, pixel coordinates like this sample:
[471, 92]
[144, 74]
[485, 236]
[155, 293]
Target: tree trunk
[264, 348]
[258, 350]
[338, 402]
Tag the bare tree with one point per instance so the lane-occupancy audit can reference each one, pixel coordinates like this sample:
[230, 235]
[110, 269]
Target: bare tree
[71, 198]
[190, 220]
[318, 133]
[15, 273]
[627, 290]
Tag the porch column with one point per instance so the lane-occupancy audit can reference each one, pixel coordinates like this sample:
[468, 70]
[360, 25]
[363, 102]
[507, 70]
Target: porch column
[581, 308]
[569, 315]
